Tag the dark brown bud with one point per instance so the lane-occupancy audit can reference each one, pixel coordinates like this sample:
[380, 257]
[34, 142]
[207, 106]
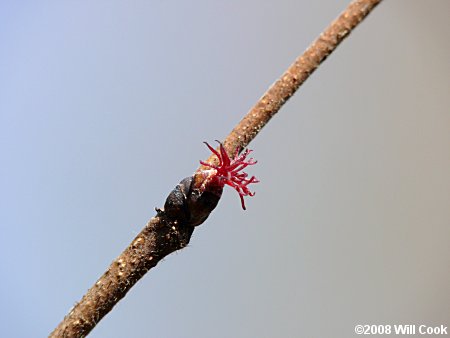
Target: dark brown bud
[190, 203]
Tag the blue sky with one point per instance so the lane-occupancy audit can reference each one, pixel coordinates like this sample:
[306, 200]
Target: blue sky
[104, 107]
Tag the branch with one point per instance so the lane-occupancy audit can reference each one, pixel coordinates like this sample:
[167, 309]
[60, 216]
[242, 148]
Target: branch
[190, 203]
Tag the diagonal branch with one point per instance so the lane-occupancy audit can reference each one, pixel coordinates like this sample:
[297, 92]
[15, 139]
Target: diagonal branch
[171, 228]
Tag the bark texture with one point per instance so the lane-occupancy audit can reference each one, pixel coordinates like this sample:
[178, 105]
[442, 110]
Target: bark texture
[164, 233]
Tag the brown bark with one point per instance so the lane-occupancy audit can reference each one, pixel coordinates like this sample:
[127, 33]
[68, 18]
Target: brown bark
[164, 235]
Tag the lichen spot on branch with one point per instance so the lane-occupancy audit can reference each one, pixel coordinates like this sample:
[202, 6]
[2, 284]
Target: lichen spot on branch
[229, 171]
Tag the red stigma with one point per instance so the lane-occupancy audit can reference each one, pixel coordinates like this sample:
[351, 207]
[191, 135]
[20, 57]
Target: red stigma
[229, 170]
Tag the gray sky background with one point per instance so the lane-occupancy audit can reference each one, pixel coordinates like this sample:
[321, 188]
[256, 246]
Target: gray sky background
[103, 109]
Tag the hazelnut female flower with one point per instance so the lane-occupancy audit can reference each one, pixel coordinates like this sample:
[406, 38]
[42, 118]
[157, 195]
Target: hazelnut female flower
[229, 171]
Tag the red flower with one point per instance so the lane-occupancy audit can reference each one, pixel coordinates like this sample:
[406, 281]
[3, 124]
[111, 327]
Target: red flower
[229, 171]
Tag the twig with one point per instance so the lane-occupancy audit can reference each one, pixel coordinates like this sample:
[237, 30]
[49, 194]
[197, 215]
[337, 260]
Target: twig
[169, 230]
